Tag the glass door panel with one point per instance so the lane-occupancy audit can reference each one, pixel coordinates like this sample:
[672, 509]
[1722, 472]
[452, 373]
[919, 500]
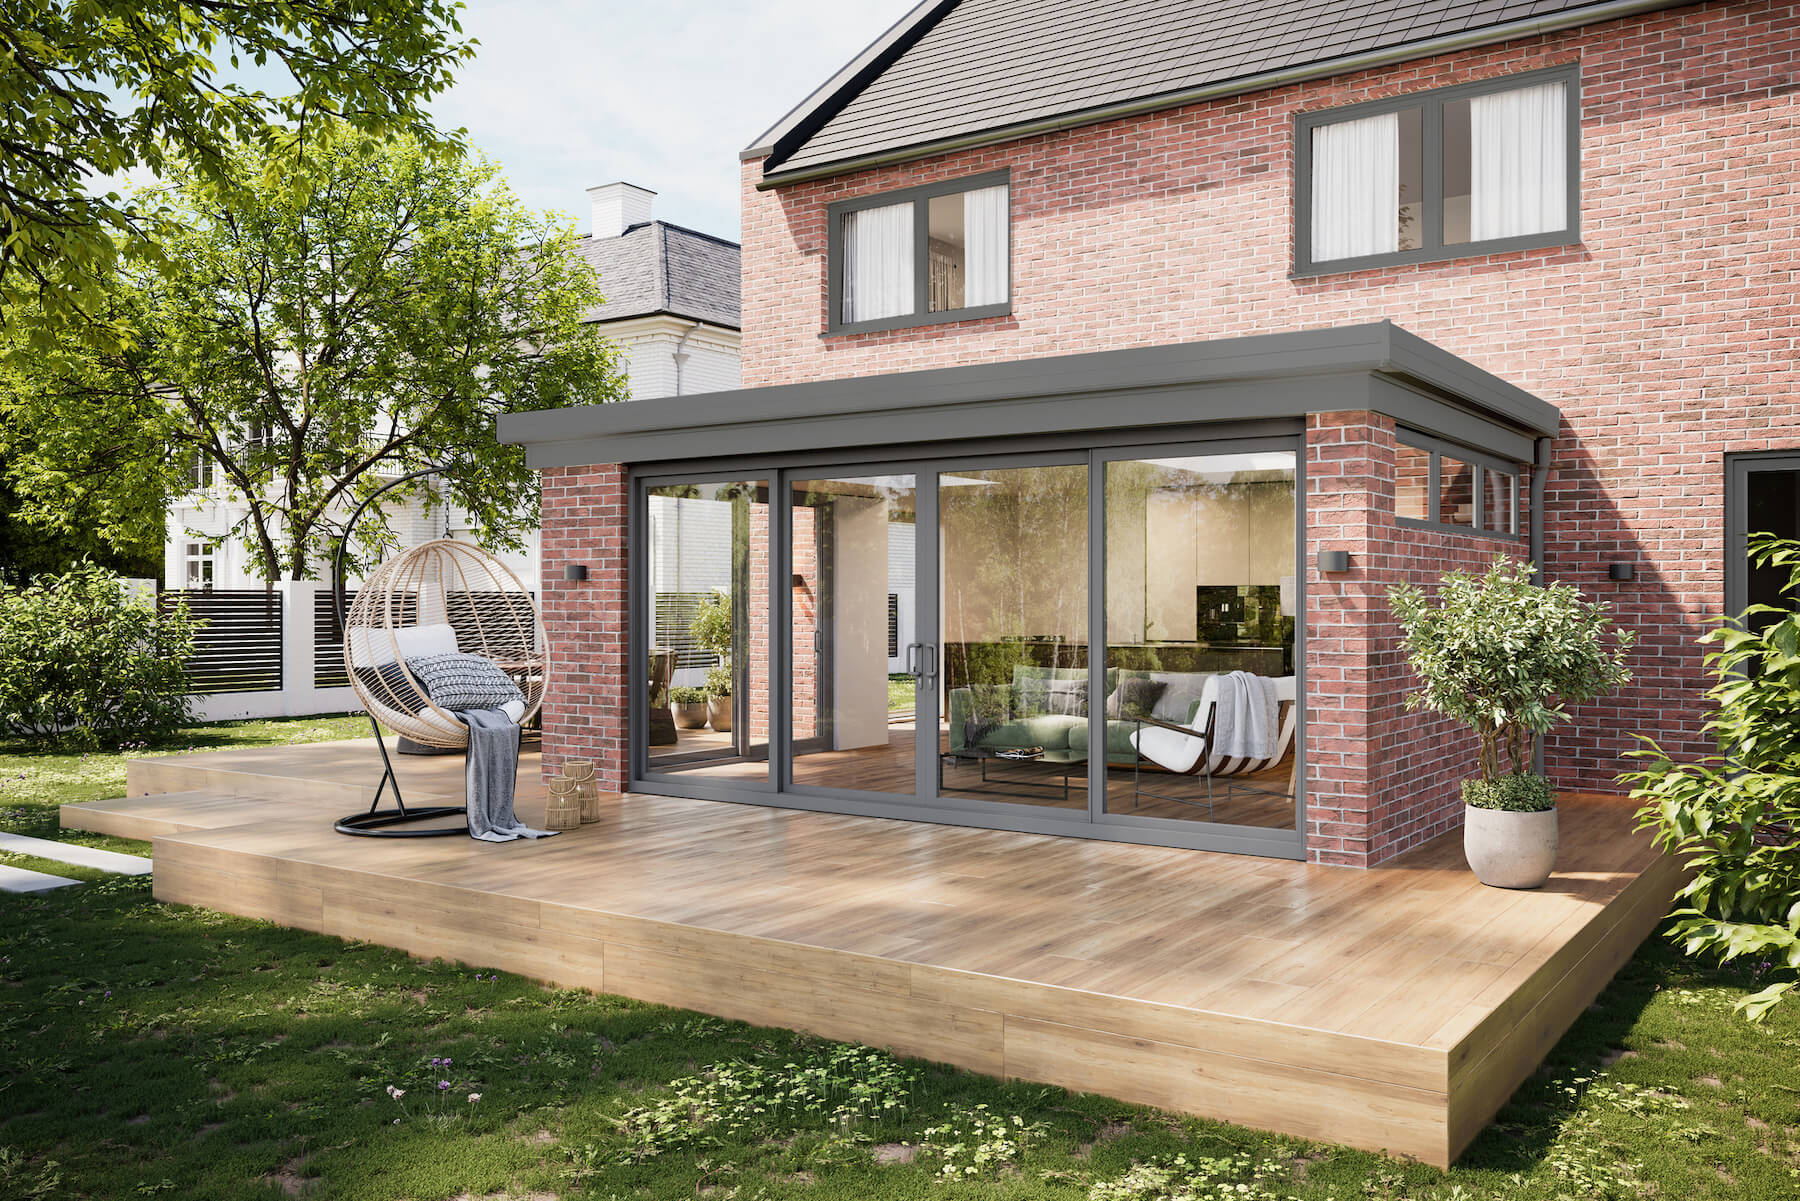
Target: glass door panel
[1201, 601]
[705, 600]
[854, 648]
[1013, 620]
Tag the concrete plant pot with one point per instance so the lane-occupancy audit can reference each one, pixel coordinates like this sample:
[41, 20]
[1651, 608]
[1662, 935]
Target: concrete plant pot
[690, 715]
[1510, 850]
[719, 707]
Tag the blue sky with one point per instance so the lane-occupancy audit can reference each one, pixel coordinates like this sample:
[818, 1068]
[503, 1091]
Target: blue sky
[566, 95]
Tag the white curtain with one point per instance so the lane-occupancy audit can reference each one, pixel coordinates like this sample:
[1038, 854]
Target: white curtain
[986, 241]
[1518, 162]
[1356, 188]
[878, 262]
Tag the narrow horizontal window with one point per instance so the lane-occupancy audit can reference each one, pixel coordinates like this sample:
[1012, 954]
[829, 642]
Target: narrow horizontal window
[942, 252]
[1434, 487]
[1440, 175]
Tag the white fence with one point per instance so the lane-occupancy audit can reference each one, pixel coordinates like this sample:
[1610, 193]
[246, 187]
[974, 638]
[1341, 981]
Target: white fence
[288, 617]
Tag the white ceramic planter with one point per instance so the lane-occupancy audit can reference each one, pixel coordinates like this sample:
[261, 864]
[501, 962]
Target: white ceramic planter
[719, 708]
[1510, 850]
[689, 715]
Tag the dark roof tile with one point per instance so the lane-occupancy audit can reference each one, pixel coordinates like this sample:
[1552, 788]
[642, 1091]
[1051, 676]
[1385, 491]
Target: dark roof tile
[661, 268]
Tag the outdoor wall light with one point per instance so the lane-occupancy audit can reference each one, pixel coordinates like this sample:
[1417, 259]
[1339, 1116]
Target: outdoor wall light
[1334, 560]
[575, 571]
[1621, 571]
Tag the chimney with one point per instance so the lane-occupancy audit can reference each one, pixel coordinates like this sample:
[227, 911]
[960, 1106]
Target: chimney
[618, 207]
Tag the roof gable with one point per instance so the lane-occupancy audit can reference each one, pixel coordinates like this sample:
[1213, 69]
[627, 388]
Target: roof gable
[961, 71]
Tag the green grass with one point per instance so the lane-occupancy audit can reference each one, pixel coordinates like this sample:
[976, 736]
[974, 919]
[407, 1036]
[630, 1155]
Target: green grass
[901, 692]
[150, 1050]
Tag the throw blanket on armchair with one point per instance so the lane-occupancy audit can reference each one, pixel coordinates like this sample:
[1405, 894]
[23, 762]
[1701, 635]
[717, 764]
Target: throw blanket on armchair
[490, 773]
[1245, 726]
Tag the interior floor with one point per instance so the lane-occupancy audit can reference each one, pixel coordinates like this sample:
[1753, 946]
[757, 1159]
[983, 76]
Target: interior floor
[1262, 799]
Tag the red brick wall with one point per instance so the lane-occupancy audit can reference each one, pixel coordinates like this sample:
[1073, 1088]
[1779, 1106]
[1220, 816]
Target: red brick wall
[1378, 779]
[584, 521]
[1667, 336]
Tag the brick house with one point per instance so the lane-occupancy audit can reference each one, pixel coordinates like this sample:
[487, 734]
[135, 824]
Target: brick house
[1148, 345]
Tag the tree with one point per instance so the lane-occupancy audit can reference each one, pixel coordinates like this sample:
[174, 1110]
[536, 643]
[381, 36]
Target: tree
[1734, 816]
[1507, 658]
[99, 87]
[307, 333]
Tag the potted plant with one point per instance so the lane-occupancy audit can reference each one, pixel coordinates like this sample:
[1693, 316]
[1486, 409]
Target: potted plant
[718, 698]
[1507, 658]
[711, 631]
[690, 707]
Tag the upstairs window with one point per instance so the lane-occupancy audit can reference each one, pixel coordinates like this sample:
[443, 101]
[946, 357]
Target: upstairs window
[936, 253]
[1462, 171]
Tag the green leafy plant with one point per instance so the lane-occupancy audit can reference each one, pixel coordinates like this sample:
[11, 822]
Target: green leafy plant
[711, 630]
[1734, 816]
[1507, 658]
[84, 663]
[685, 695]
[975, 1141]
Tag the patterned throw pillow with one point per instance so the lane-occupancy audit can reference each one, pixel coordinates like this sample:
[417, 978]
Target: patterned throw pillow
[1067, 697]
[462, 682]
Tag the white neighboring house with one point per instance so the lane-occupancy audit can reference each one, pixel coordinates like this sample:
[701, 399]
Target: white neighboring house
[672, 307]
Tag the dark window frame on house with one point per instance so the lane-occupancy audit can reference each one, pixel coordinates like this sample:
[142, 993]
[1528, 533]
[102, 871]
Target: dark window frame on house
[919, 197]
[1485, 466]
[1432, 248]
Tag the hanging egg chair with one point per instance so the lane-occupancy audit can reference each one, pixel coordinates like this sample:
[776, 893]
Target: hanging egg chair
[443, 597]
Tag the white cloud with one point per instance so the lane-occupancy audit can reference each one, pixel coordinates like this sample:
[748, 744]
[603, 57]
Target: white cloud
[566, 95]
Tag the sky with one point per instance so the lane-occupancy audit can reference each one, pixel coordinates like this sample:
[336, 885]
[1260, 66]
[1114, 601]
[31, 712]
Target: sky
[566, 95]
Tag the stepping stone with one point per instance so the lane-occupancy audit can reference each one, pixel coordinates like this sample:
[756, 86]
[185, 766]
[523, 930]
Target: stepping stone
[69, 852]
[19, 879]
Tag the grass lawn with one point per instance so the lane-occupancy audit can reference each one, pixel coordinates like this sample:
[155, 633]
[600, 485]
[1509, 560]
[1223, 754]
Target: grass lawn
[150, 1050]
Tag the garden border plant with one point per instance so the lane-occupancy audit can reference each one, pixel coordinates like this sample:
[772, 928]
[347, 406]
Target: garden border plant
[1507, 657]
[1734, 816]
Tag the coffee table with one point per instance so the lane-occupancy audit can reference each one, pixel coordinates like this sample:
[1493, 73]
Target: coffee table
[1065, 764]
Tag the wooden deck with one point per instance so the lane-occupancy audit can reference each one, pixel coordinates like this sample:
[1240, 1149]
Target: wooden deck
[1394, 1009]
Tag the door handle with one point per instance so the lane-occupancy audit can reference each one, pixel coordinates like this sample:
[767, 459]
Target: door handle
[915, 659]
[929, 655]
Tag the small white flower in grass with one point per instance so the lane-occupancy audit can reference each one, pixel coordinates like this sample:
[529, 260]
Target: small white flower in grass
[395, 1093]
[474, 1097]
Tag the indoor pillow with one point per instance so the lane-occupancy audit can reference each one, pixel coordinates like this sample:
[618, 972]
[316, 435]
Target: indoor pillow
[1135, 697]
[459, 682]
[1068, 698]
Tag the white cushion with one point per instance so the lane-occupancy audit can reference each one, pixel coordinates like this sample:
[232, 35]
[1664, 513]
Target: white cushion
[371, 646]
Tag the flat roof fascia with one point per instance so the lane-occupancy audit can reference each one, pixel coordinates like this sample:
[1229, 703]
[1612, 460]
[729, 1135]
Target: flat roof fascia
[1262, 376]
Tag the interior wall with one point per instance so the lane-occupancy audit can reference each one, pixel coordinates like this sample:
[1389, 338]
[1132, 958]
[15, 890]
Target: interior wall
[859, 533]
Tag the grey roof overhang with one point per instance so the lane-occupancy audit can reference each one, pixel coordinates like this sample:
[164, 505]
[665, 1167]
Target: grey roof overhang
[1375, 366]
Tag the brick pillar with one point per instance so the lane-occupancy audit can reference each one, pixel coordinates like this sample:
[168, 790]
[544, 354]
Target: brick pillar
[584, 522]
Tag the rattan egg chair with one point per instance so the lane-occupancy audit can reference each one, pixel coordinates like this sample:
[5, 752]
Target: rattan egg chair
[439, 597]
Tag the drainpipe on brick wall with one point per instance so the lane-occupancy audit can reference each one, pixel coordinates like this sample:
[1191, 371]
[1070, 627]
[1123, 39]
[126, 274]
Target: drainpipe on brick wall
[680, 355]
[1540, 467]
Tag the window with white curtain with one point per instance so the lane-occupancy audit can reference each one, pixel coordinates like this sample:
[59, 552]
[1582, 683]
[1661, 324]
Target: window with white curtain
[929, 254]
[1443, 174]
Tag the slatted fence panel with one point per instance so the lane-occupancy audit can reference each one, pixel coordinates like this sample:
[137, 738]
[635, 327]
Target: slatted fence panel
[674, 614]
[328, 643]
[238, 648]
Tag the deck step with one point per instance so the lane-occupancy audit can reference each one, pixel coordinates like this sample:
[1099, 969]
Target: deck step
[21, 879]
[147, 817]
[80, 856]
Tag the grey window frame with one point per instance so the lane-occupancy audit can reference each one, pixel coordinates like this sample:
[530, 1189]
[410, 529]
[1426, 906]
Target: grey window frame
[1738, 469]
[1485, 465]
[1431, 105]
[776, 787]
[919, 197]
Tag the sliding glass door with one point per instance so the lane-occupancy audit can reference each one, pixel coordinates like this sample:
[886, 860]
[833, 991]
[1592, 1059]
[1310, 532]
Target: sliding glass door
[1094, 641]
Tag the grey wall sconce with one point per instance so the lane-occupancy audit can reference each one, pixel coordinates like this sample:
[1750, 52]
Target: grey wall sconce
[1621, 571]
[1334, 560]
[575, 571]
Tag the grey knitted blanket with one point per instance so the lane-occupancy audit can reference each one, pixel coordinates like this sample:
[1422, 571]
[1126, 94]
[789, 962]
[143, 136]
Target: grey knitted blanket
[490, 773]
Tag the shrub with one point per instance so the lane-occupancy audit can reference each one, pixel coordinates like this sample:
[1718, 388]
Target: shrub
[718, 680]
[83, 663]
[711, 630]
[684, 695]
[1734, 816]
[1506, 657]
[1518, 792]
